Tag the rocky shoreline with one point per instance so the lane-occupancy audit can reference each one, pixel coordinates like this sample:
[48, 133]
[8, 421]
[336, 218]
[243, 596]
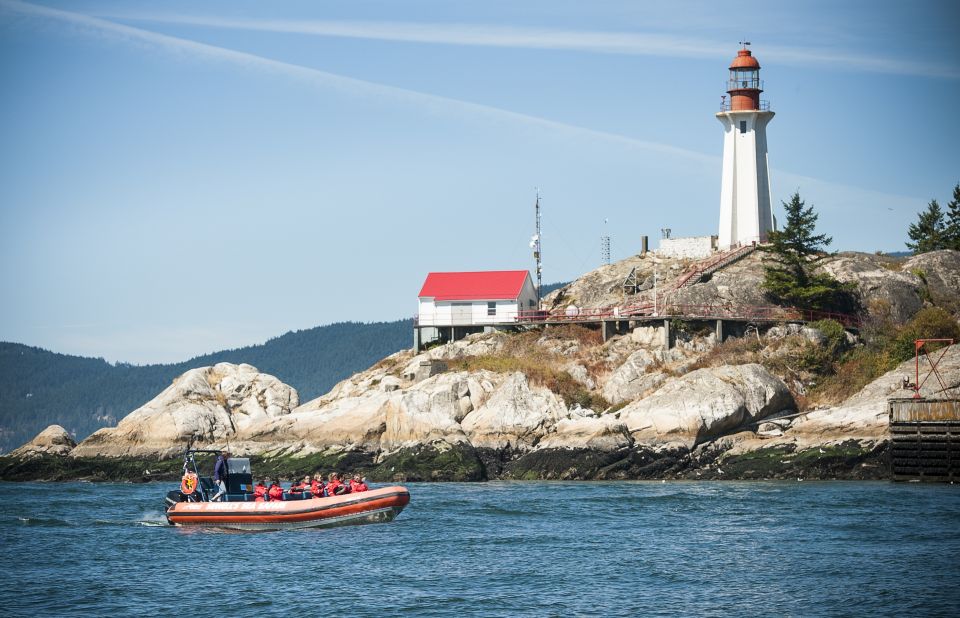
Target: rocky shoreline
[844, 461]
[555, 404]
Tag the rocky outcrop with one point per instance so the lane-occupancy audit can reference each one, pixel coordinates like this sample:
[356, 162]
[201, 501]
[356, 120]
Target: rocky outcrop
[209, 406]
[54, 440]
[515, 417]
[705, 404]
[899, 286]
[629, 407]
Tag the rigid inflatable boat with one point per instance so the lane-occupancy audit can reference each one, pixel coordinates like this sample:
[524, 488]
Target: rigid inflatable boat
[237, 509]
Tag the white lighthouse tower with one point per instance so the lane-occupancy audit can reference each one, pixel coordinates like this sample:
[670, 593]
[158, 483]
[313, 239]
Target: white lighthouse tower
[745, 215]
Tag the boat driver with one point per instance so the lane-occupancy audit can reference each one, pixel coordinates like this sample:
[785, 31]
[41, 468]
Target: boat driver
[220, 475]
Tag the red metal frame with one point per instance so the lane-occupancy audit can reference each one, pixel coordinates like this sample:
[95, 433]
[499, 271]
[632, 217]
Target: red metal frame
[918, 346]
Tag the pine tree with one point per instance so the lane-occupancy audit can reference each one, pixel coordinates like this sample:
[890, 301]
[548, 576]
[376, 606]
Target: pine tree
[796, 252]
[927, 233]
[951, 232]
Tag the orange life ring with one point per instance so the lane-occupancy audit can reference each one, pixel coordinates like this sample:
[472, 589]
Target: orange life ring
[189, 482]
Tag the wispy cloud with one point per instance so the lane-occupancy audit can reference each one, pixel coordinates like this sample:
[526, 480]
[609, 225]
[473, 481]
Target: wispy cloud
[362, 88]
[632, 43]
[347, 85]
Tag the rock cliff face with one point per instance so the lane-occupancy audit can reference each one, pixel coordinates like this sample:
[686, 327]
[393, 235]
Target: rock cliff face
[554, 404]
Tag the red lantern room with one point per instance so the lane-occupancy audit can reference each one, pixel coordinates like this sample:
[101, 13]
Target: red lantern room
[744, 86]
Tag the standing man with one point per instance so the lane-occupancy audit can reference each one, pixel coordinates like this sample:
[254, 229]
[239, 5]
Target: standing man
[220, 475]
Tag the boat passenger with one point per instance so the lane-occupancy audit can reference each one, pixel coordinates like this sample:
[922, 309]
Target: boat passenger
[297, 487]
[220, 475]
[316, 486]
[357, 484]
[260, 492]
[276, 491]
[336, 487]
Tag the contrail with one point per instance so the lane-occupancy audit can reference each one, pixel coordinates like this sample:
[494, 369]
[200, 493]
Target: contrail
[347, 85]
[628, 43]
[362, 88]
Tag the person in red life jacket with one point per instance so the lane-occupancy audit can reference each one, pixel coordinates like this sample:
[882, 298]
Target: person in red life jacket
[276, 491]
[357, 484]
[260, 492]
[297, 487]
[336, 487]
[316, 486]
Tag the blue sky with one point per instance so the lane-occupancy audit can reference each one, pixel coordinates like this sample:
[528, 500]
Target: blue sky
[182, 177]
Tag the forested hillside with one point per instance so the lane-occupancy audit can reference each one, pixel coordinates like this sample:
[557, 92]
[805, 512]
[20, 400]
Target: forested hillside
[38, 387]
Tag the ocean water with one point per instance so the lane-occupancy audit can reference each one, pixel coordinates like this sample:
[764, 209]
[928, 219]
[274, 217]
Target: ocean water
[500, 549]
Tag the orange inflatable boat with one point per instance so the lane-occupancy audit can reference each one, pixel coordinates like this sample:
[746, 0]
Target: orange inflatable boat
[191, 505]
[376, 505]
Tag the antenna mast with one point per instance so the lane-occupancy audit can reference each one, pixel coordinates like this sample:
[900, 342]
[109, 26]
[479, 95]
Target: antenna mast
[605, 245]
[535, 245]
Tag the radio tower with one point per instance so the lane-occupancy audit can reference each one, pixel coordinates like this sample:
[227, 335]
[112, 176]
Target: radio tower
[535, 245]
[605, 246]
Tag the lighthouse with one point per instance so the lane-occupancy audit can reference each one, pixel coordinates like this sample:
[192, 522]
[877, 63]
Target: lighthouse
[745, 215]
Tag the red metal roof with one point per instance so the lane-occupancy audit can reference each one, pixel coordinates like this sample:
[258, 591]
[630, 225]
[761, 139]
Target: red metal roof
[744, 60]
[484, 285]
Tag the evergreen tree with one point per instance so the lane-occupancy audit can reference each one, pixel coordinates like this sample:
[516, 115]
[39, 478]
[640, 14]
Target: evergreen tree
[951, 231]
[927, 233]
[796, 252]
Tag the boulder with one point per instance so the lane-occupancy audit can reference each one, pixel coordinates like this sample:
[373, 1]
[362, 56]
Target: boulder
[705, 404]
[431, 411]
[515, 416]
[205, 407]
[605, 433]
[54, 440]
[634, 377]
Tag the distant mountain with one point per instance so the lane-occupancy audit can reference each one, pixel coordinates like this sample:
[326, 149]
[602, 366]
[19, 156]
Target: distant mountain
[38, 387]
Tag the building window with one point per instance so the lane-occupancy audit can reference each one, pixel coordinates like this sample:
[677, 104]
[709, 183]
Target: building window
[491, 308]
[743, 126]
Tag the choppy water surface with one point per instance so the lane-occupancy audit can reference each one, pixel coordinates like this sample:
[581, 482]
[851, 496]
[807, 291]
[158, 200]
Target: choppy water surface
[500, 549]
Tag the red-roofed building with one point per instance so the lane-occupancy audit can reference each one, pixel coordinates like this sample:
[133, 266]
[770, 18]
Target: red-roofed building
[453, 305]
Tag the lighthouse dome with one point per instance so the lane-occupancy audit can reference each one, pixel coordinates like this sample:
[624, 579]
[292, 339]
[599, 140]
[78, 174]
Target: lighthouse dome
[744, 60]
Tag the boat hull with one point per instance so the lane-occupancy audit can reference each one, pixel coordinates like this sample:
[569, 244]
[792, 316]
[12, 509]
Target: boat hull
[375, 506]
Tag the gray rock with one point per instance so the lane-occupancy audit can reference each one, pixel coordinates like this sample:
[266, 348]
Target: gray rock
[705, 404]
[54, 440]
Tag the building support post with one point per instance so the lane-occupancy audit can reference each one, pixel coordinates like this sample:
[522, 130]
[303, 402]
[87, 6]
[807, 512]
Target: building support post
[719, 331]
[666, 334]
[416, 340]
[604, 326]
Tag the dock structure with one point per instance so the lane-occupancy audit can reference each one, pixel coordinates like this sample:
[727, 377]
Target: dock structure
[925, 436]
[726, 319]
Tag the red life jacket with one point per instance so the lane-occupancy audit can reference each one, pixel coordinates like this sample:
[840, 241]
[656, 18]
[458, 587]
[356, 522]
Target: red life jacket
[259, 492]
[276, 492]
[316, 488]
[356, 486]
[297, 488]
[332, 487]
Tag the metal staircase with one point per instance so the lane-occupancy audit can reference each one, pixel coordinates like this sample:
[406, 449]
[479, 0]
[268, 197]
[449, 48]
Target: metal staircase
[699, 271]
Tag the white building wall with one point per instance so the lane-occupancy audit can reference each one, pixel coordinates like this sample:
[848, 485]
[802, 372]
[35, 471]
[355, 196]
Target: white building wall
[450, 313]
[745, 211]
[695, 247]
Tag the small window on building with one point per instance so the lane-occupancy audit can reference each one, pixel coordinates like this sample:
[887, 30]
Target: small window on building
[530, 303]
[743, 126]
[491, 308]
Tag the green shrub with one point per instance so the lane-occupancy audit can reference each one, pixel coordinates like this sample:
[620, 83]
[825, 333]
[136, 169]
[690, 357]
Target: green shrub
[928, 323]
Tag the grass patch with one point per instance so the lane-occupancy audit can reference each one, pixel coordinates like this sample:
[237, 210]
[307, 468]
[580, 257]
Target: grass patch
[538, 373]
